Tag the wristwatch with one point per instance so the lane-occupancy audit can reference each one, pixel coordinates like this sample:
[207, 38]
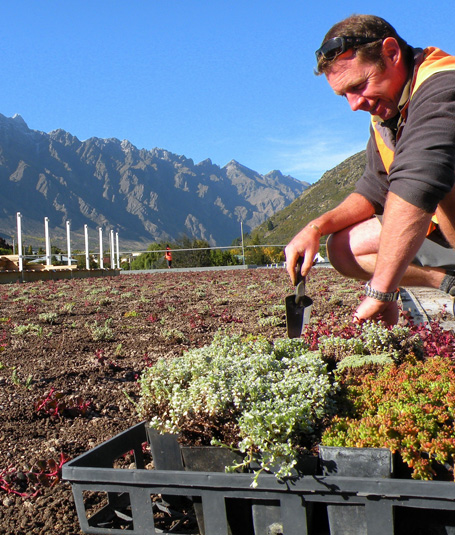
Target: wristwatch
[381, 296]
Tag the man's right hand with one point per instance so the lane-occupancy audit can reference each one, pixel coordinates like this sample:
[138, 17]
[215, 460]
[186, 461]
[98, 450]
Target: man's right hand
[304, 245]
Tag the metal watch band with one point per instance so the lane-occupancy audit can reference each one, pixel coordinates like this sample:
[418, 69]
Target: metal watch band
[381, 296]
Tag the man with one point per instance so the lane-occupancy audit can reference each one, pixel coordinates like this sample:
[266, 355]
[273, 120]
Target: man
[378, 233]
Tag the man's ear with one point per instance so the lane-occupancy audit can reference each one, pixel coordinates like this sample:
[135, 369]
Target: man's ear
[391, 50]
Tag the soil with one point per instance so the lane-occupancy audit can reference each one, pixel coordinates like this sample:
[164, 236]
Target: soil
[72, 351]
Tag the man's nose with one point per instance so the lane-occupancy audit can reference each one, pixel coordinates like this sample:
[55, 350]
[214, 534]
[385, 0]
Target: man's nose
[356, 102]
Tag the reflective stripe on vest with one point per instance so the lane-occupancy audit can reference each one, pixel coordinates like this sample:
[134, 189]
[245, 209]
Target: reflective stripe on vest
[387, 154]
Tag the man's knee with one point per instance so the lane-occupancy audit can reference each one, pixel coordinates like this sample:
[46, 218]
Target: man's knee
[338, 250]
[330, 245]
[352, 251]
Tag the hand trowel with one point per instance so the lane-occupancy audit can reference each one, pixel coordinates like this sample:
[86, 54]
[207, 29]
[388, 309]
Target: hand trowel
[298, 308]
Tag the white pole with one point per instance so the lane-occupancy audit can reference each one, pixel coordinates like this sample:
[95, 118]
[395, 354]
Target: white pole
[68, 242]
[243, 247]
[118, 253]
[19, 240]
[48, 242]
[100, 233]
[87, 257]
[112, 250]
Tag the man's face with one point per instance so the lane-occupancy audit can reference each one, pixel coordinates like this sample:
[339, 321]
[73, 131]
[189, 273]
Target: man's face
[366, 86]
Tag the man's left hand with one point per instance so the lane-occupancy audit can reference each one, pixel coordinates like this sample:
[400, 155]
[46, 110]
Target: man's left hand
[372, 309]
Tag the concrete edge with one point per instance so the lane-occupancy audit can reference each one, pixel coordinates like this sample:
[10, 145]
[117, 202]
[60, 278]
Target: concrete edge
[411, 304]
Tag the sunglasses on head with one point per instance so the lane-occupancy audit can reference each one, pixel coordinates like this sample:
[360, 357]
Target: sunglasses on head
[337, 45]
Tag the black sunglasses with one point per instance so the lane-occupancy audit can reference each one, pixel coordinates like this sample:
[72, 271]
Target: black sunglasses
[337, 45]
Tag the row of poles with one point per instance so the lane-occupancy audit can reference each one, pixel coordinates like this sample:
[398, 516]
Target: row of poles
[113, 244]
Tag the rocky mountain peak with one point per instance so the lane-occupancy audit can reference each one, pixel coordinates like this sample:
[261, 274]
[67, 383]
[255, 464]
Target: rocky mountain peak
[146, 195]
[19, 121]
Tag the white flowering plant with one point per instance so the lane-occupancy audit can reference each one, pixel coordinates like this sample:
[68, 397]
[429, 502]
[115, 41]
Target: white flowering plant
[372, 343]
[266, 400]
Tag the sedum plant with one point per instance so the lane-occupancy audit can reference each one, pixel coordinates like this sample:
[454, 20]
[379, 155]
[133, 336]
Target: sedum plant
[266, 400]
[372, 343]
[409, 409]
[101, 332]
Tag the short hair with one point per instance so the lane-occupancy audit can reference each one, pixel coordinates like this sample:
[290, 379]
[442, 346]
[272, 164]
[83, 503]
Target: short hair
[363, 26]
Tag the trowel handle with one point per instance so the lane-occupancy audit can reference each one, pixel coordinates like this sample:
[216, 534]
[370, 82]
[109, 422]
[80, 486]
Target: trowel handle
[300, 286]
[298, 271]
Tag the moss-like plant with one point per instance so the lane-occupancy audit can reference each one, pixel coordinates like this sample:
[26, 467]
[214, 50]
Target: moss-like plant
[102, 332]
[360, 361]
[397, 343]
[408, 408]
[265, 400]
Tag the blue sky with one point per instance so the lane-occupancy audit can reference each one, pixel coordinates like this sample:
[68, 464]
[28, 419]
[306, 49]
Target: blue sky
[218, 79]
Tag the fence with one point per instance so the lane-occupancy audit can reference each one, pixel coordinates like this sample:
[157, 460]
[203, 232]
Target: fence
[113, 247]
[265, 254]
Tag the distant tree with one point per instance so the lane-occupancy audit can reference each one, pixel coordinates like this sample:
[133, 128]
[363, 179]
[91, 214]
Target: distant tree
[221, 257]
[5, 248]
[151, 260]
[255, 254]
[273, 255]
[81, 264]
[196, 252]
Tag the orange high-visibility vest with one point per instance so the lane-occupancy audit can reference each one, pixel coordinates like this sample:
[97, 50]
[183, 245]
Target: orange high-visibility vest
[434, 61]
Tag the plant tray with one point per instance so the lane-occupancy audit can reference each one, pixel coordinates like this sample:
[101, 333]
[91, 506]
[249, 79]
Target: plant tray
[131, 497]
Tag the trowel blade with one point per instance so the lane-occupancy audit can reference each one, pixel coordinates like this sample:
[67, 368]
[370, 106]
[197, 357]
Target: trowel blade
[297, 315]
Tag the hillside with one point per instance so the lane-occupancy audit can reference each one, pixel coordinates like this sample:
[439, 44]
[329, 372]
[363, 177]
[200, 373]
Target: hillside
[144, 195]
[323, 195]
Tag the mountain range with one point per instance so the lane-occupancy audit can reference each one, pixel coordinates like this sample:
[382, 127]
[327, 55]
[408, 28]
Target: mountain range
[334, 186]
[144, 195]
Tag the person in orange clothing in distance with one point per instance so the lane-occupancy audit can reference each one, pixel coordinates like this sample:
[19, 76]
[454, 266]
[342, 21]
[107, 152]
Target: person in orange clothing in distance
[168, 256]
[398, 226]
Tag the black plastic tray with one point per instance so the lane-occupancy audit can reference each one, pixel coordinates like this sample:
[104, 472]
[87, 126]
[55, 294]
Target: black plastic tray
[391, 505]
